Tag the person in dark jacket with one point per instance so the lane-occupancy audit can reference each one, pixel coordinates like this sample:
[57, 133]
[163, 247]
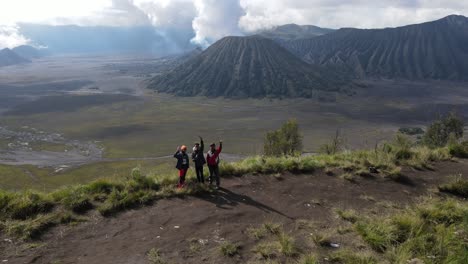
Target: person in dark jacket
[182, 164]
[198, 159]
[212, 159]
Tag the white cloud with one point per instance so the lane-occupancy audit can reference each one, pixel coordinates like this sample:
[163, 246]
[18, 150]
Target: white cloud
[213, 19]
[216, 19]
[10, 37]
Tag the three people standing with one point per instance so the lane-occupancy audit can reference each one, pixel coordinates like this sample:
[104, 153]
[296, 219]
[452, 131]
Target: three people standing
[198, 158]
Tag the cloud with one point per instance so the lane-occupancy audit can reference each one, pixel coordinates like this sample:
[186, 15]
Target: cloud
[216, 19]
[262, 14]
[205, 21]
[10, 37]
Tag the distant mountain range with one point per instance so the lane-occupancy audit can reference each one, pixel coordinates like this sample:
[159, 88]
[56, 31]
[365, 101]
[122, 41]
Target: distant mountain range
[432, 50]
[314, 59]
[29, 52]
[9, 57]
[293, 32]
[251, 66]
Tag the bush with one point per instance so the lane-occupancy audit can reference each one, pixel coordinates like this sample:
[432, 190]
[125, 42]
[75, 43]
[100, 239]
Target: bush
[229, 249]
[74, 198]
[411, 131]
[335, 145]
[285, 141]
[459, 150]
[121, 200]
[287, 245]
[350, 257]
[432, 231]
[26, 205]
[154, 257]
[457, 187]
[438, 133]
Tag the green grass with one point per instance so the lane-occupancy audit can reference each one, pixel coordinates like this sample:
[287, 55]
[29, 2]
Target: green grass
[272, 228]
[28, 214]
[257, 233]
[154, 257]
[267, 250]
[387, 158]
[433, 231]
[287, 245]
[322, 238]
[458, 187]
[229, 249]
[348, 215]
[351, 257]
[308, 259]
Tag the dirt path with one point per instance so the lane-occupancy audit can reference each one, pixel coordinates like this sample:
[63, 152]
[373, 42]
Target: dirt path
[173, 225]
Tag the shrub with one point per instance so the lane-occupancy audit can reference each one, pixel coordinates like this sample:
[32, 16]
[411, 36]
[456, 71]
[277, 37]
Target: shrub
[308, 259]
[120, 200]
[267, 250]
[229, 249]
[379, 235]
[272, 228]
[350, 257]
[74, 198]
[348, 215]
[335, 145]
[322, 239]
[411, 131]
[26, 205]
[459, 150]
[154, 257]
[257, 233]
[285, 141]
[34, 228]
[457, 187]
[287, 245]
[432, 231]
[438, 133]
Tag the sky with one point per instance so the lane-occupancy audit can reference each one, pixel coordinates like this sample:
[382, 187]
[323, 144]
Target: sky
[211, 20]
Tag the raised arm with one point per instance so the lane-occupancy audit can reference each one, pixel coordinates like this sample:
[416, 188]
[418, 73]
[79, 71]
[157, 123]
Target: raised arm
[220, 148]
[202, 145]
[177, 154]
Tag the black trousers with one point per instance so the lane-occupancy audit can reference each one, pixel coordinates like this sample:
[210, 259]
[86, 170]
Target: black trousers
[214, 173]
[199, 171]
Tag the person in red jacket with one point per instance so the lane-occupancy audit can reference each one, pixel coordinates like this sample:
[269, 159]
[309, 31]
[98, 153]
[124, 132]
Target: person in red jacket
[212, 159]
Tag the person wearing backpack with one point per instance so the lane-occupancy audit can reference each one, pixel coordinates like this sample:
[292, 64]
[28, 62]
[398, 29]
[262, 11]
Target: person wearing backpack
[212, 159]
[182, 164]
[198, 159]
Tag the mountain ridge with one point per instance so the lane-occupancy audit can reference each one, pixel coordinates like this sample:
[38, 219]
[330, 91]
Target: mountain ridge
[252, 66]
[430, 50]
[9, 57]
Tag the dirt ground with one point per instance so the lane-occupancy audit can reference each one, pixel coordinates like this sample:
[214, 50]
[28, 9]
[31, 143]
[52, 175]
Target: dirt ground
[190, 230]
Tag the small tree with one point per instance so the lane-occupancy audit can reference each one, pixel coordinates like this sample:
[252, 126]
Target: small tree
[439, 132]
[285, 141]
[334, 146]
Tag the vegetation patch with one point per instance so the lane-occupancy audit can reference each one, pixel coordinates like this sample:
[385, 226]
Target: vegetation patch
[457, 187]
[351, 257]
[229, 249]
[433, 231]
